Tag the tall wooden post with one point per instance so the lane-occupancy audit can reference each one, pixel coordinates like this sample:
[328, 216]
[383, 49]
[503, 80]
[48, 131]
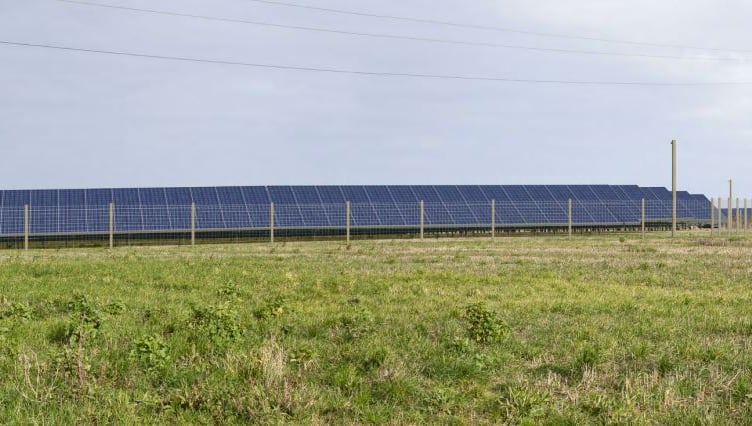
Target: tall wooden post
[26, 227]
[730, 215]
[643, 218]
[493, 218]
[112, 225]
[673, 188]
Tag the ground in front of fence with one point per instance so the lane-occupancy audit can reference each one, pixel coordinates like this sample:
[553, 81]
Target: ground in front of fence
[589, 330]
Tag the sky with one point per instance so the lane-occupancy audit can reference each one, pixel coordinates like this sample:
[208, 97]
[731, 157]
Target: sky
[84, 120]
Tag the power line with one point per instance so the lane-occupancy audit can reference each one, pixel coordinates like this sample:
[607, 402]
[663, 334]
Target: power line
[493, 28]
[392, 36]
[371, 73]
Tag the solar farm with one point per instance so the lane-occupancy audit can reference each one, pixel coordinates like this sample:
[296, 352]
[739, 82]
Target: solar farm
[293, 211]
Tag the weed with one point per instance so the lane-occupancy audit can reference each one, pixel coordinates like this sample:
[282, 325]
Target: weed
[20, 311]
[272, 308]
[115, 308]
[217, 322]
[151, 351]
[483, 325]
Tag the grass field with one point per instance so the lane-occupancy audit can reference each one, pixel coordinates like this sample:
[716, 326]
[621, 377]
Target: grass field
[518, 330]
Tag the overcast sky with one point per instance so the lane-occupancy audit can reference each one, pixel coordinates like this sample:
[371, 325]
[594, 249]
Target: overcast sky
[71, 119]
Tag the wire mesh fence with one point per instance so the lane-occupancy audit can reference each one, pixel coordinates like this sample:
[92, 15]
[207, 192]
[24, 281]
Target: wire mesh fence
[184, 224]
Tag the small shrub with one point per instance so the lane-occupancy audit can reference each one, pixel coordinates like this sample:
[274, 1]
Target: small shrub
[587, 357]
[85, 320]
[356, 325]
[115, 308]
[230, 290]
[219, 322]
[151, 352]
[483, 325]
[20, 311]
[271, 309]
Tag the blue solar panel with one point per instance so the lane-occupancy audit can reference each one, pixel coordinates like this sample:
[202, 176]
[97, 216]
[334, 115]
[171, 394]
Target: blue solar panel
[127, 210]
[234, 208]
[72, 211]
[13, 214]
[517, 193]
[380, 195]
[164, 209]
[306, 194]
[154, 210]
[256, 195]
[178, 203]
[561, 193]
[473, 194]
[406, 195]
[16, 198]
[606, 193]
[355, 194]
[206, 196]
[449, 194]
[43, 214]
[311, 208]
[495, 192]
[391, 213]
[582, 193]
[331, 195]
[97, 209]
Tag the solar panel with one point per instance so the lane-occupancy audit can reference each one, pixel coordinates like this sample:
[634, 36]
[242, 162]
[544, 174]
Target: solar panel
[473, 194]
[72, 210]
[166, 209]
[97, 209]
[331, 195]
[127, 210]
[234, 209]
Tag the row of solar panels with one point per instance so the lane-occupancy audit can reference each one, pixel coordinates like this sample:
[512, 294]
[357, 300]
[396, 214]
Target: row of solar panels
[332, 195]
[164, 209]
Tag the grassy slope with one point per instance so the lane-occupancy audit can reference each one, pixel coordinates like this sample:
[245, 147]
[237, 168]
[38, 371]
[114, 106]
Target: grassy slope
[600, 331]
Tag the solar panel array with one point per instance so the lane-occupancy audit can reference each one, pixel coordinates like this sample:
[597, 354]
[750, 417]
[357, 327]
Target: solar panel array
[82, 211]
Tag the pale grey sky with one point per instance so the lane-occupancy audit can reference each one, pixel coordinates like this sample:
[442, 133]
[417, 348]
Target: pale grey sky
[71, 119]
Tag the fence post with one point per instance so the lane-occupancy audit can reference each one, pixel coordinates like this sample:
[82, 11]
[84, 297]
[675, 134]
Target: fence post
[746, 215]
[570, 218]
[193, 224]
[642, 221]
[720, 216]
[493, 218]
[712, 216]
[730, 216]
[26, 226]
[422, 218]
[271, 222]
[347, 220]
[112, 225]
[738, 216]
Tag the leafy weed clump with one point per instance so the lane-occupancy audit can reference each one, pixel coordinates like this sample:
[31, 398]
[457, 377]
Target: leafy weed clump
[152, 352]
[218, 322]
[483, 326]
[20, 311]
[272, 308]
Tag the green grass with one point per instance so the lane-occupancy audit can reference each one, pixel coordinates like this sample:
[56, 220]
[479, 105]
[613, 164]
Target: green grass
[591, 330]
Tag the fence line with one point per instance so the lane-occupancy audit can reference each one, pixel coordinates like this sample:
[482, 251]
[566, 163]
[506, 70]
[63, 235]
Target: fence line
[114, 221]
